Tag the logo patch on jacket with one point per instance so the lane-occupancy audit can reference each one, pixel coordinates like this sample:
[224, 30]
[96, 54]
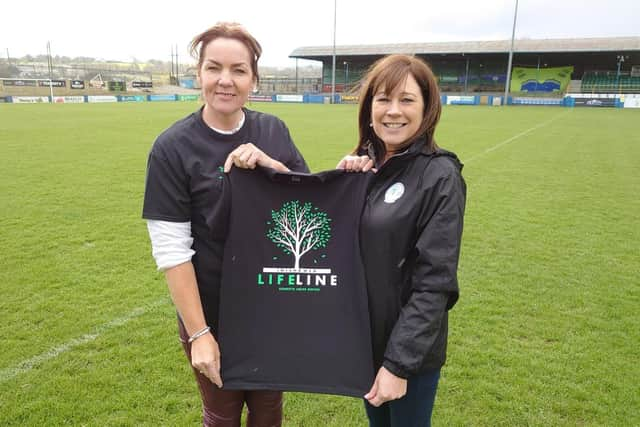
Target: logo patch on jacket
[394, 192]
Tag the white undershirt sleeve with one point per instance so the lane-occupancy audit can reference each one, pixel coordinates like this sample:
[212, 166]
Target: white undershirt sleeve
[170, 243]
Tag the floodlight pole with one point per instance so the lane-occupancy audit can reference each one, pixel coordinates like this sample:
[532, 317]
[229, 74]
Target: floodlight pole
[513, 34]
[466, 77]
[537, 74]
[177, 68]
[620, 59]
[346, 76]
[50, 63]
[333, 69]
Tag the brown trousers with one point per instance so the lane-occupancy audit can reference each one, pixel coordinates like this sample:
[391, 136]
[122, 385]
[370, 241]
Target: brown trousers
[223, 408]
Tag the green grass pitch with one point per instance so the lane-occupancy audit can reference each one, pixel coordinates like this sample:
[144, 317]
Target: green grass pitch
[545, 333]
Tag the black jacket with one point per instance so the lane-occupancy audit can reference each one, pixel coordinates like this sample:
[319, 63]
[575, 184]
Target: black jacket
[410, 243]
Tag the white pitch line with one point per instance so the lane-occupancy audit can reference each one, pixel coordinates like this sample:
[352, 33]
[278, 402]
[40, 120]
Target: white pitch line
[513, 138]
[27, 365]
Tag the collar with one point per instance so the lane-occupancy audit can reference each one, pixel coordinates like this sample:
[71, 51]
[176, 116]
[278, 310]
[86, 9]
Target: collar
[417, 146]
[234, 130]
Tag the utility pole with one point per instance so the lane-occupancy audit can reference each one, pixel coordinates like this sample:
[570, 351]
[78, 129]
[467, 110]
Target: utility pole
[513, 34]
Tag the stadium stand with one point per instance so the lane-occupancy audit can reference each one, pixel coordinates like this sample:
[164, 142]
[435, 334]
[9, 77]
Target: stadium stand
[480, 66]
[609, 81]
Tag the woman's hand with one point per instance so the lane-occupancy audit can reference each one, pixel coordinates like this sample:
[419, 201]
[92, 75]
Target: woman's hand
[205, 357]
[355, 164]
[386, 387]
[248, 156]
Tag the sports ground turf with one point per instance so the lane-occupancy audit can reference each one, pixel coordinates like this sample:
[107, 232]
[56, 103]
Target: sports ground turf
[546, 331]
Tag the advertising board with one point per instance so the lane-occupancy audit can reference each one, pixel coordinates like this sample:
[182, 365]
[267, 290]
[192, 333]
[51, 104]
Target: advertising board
[461, 100]
[260, 98]
[77, 84]
[18, 82]
[289, 98]
[68, 99]
[30, 99]
[188, 97]
[537, 101]
[54, 83]
[101, 98]
[132, 98]
[116, 86]
[632, 101]
[154, 98]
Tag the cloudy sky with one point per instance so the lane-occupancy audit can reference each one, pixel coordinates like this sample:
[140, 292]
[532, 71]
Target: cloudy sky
[122, 30]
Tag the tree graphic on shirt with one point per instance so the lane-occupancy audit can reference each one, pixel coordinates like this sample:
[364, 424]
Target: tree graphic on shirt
[298, 228]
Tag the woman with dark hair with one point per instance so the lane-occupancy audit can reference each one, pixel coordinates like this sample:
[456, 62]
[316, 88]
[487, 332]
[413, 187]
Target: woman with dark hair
[183, 186]
[410, 236]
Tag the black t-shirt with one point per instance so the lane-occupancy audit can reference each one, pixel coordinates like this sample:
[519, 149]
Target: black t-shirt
[293, 313]
[184, 183]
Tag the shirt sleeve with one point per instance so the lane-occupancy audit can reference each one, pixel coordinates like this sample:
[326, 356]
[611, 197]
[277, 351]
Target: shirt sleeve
[434, 283]
[170, 243]
[166, 195]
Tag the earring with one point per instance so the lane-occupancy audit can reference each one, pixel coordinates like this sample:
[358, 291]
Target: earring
[370, 125]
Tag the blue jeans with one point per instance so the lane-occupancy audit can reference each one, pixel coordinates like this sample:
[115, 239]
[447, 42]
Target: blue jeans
[412, 410]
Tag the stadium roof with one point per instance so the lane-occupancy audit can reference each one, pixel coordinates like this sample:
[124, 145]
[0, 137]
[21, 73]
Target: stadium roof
[600, 44]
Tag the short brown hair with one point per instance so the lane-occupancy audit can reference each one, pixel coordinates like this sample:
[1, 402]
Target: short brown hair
[228, 30]
[388, 73]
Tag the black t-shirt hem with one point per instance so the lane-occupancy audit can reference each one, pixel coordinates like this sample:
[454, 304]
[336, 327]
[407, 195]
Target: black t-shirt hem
[342, 391]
